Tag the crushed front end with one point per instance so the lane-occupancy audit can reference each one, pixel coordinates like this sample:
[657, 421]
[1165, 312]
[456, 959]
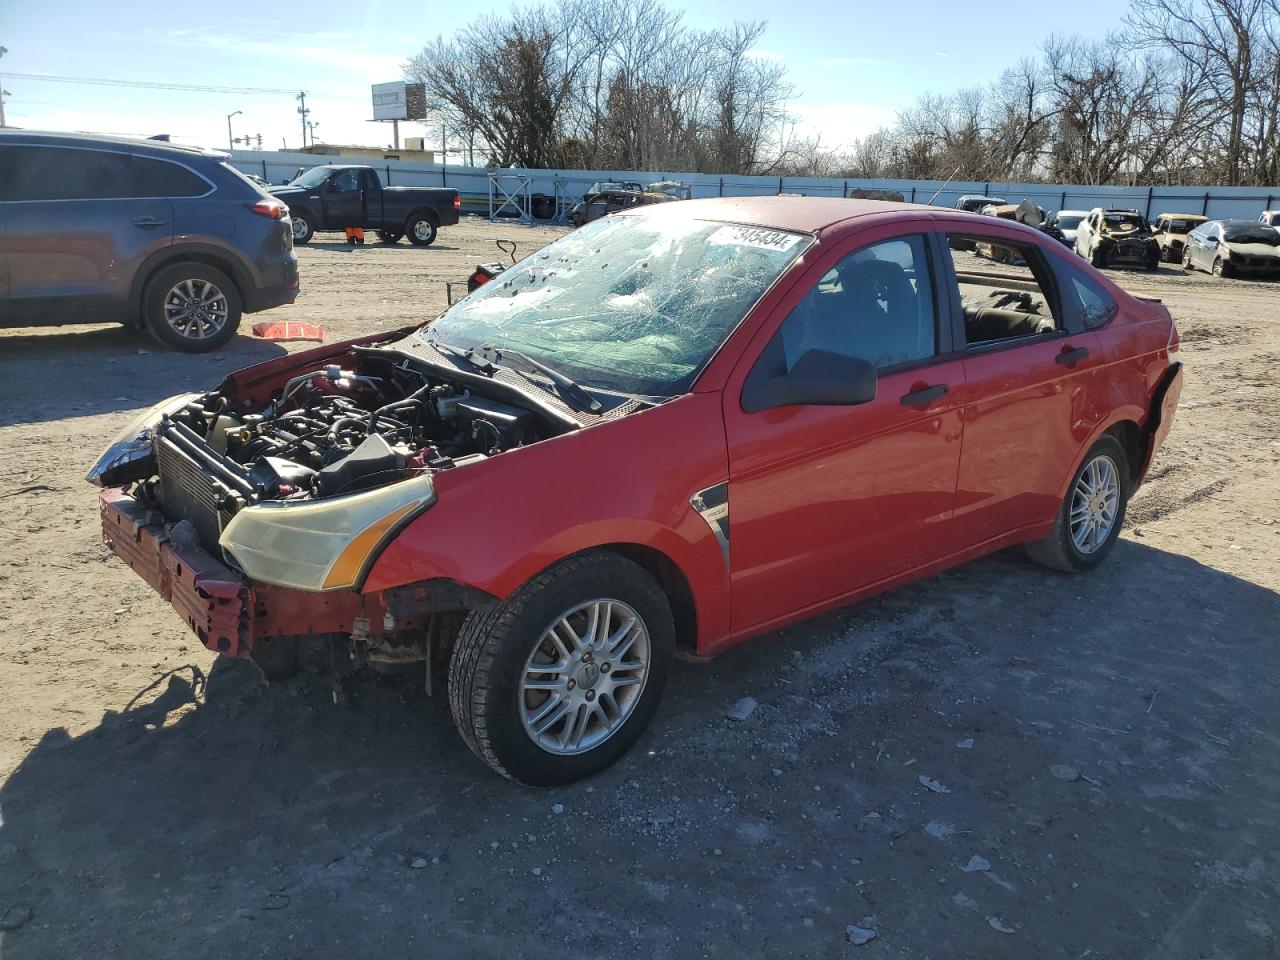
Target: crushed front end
[256, 510]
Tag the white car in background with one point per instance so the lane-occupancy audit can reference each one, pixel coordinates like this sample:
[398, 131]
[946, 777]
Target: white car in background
[1229, 248]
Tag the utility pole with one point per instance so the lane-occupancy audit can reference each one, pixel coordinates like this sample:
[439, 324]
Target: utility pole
[3, 92]
[303, 112]
[311, 125]
[231, 143]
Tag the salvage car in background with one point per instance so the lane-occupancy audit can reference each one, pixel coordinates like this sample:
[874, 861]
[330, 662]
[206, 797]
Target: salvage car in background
[141, 232]
[1171, 231]
[1117, 238]
[684, 425]
[333, 197]
[1062, 226]
[1232, 248]
[606, 197]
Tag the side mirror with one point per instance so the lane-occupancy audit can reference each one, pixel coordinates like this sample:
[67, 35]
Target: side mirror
[819, 378]
[1210, 241]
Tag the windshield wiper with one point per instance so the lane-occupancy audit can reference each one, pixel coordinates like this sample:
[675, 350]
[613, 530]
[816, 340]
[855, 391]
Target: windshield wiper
[466, 356]
[568, 389]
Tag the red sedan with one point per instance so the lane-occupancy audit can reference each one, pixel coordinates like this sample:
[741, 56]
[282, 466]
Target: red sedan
[681, 426]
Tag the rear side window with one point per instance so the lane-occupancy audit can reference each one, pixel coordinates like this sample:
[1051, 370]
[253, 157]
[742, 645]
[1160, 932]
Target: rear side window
[876, 304]
[60, 173]
[160, 178]
[1006, 291]
[1095, 305]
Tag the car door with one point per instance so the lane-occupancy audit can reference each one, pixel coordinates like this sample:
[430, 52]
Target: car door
[1029, 363]
[343, 200]
[1084, 233]
[79, 223]
[826, 501]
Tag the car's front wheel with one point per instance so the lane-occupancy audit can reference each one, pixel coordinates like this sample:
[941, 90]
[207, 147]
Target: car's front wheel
[191, 307]
[1221, 268]
[1088, 523]
[558, 681]
[303, 230]
[1186, 260]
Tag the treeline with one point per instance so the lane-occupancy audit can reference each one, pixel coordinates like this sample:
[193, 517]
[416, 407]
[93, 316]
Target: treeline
[607, 84]
[1186, 92]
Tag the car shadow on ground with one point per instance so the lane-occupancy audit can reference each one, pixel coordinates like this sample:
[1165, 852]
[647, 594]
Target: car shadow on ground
[1115, 774]
[107, 368]
[341, 246]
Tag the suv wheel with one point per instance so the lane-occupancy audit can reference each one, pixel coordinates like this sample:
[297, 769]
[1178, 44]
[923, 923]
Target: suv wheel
[191, 307]
[558, 681]
[1089, 521]
[302, 229]
[421, 230]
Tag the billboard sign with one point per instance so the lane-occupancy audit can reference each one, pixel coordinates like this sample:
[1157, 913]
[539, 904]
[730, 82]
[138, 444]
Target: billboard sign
[399, 101]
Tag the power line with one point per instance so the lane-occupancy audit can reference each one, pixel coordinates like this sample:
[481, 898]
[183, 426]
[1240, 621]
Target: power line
[149, 84]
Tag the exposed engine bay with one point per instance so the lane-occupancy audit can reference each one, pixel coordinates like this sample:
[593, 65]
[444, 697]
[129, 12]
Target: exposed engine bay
[376, 418]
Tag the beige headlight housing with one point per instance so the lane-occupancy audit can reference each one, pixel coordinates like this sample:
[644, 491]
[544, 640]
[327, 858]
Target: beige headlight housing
[323, 544]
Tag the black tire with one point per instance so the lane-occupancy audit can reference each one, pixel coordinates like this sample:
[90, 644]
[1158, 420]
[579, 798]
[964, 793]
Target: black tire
[421, 229]
[390, 236]
[1222, 269]
[303, 226]
[496, 642]
[1059, 550]
[1186, 260]
[164, 297]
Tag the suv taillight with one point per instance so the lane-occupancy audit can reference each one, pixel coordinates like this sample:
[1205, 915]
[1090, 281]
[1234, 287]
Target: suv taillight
[270, 208]
[457, 201]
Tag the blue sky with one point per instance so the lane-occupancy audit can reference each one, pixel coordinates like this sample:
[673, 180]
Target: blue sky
[852, 64]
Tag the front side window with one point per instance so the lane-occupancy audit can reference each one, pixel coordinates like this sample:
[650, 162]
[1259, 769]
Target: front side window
[876, 304]
[1006, 291]
[635, 304]
[348, 181]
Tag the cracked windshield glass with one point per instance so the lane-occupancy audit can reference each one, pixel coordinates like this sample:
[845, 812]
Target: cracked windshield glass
[631, 304]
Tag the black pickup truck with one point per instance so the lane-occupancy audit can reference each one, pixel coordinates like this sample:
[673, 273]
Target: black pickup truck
[336, 197]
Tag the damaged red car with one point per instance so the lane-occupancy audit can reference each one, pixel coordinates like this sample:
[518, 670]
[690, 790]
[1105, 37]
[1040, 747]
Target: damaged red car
[677, 427]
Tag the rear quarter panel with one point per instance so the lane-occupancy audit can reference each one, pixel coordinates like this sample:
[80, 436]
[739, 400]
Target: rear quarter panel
[498, 523]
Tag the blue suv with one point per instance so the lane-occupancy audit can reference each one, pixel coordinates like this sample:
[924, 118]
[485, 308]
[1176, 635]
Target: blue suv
[173, 239]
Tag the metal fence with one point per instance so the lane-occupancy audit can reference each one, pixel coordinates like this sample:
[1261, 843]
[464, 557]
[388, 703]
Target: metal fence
[473, 184]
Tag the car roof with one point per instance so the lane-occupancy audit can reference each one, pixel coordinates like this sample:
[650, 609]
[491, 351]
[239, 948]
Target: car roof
[1083, 213]
[1184, 216]
[1238, 222]
[797, 214]
[138, 144]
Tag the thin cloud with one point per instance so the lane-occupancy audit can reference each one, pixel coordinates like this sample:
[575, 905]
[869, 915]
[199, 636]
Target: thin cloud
[939, 53]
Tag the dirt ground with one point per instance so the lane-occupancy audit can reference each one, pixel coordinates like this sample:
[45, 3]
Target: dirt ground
[1107, 747]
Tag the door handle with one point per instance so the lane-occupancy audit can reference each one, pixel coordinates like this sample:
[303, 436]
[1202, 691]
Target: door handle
[1069, 356]
[924, 396]
[148, 223]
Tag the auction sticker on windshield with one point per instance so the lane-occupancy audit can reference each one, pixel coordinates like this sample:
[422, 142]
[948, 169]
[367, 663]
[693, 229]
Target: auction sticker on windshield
[755, 237]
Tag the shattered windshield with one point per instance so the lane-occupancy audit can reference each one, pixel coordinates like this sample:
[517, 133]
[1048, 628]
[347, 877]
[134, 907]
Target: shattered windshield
[1125, 221]
[627, 303]
[1251, 233]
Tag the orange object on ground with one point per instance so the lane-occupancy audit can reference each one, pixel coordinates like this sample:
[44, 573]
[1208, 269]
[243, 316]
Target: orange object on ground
[355, 235]
[284, 330]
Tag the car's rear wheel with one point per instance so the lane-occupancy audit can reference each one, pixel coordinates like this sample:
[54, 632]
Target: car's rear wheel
[390, 236]
[558, 681]
[421, 230]
[1088, 522]
[191, 307]
[303, 231]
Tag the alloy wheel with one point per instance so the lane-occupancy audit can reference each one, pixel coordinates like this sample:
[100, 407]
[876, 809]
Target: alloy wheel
[1095, 503]
[300, 228]
[196, 309]
[585, 676]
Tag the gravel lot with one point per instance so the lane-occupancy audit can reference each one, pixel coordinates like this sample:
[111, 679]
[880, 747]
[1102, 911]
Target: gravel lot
[995, 762]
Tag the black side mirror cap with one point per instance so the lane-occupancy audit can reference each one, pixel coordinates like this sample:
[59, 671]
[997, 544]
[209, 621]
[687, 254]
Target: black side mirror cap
[819, 378]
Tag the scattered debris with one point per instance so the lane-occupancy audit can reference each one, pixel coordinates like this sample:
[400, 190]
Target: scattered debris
[417, 863]
[557, 808]
[777, 772]
[742, 709]
[860, 935]
[965, 744]
[964, 901]
[284, 331]
[977, 864]
[29, 488]
[933, 784]
[998, 925]
[1063, 772]
[936, 828]
[1152, 702]
[1023, 661]
[537, 871]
